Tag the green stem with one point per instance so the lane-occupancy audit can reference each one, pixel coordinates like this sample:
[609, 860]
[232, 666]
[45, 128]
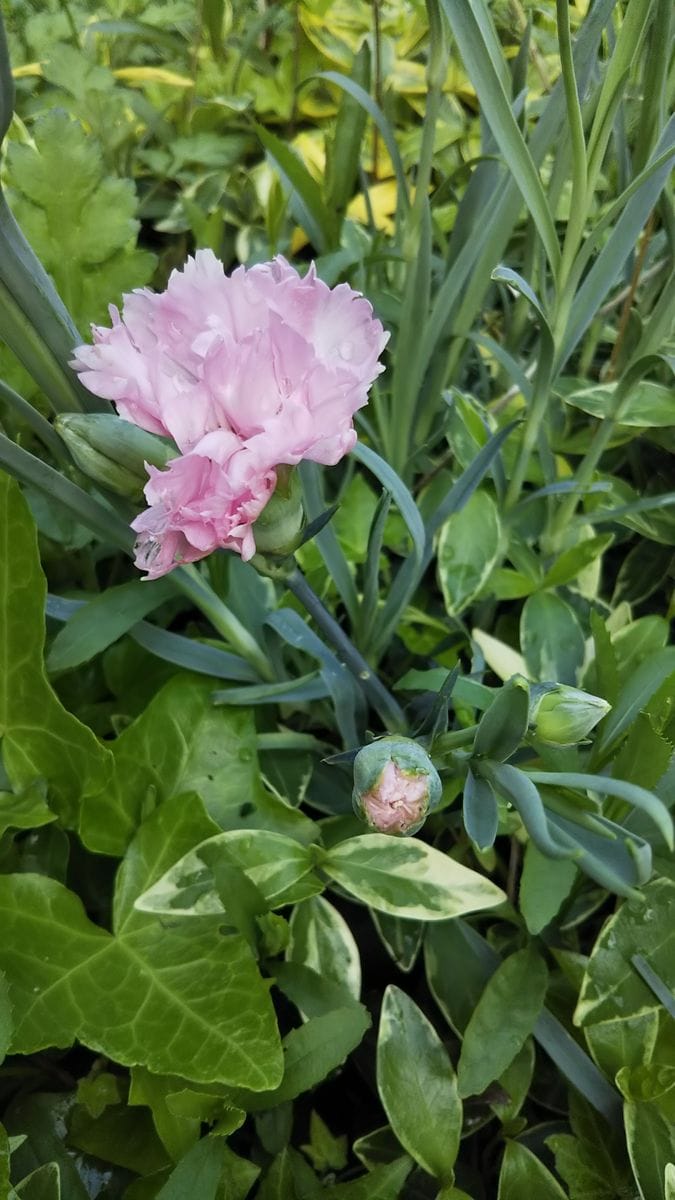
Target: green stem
[453, 740]
[72, 25]
[599, 443]
[535, 417]
[188, 581]
[382, 700]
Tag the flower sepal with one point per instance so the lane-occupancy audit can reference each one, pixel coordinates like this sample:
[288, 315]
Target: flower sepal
[278, 529]
[562, 715]
[113, 452]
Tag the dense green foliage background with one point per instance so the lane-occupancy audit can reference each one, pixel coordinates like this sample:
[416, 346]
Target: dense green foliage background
[304, 1008]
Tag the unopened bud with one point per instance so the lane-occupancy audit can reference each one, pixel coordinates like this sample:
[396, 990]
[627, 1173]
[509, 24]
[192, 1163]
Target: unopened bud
[396, 785]
[564, 715]
[113, 452]
[278, 528]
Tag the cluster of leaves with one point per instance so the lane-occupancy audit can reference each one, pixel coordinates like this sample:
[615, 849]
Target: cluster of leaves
[213, 982]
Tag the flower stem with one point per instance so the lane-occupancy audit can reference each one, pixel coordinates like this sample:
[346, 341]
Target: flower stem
[535, 418]
[382, 700]
[190, 583]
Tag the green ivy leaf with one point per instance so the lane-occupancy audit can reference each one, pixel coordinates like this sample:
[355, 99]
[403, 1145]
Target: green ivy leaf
[6, 1022]
[180, 743]
[40, 739]
[620, 1014]
[146, 978]
[28, 810]
[198, 1173]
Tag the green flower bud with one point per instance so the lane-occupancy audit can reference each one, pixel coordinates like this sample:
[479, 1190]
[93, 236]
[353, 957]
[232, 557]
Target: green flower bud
[113, 452]
[278, 528]
[564, 715]
[396, 785]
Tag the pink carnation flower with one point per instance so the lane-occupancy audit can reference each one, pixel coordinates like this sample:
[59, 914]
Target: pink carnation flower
[262, 351]
[399, 800]
[273, 364]
[206, 499]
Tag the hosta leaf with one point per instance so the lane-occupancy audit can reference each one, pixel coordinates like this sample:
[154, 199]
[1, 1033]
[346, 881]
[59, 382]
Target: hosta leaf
[612, 989]
[321, 939]
[408, 878]
[281, 869]
[522, 1174]
[545, 883]
[503, 1019]
[649, 404]
[650, 1137]
[417, 1085]
[310, 1054]
[551, 639]
[40, 739]
[468, 549]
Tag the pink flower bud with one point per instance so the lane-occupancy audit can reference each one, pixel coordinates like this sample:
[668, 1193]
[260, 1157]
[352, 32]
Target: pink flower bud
[395, 785]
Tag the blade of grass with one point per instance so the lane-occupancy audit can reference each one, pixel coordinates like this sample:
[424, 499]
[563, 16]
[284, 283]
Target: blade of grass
[619, 245]
[326, 539]
[346, 700]
[375, 112]
[314, 216]
[469, 33]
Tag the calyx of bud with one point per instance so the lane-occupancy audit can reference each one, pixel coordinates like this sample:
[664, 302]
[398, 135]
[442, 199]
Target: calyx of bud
[113, 452]
[396, 785]
[562, 715]
[279, 526]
